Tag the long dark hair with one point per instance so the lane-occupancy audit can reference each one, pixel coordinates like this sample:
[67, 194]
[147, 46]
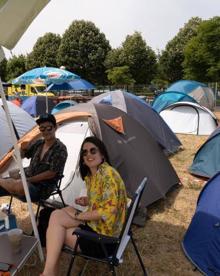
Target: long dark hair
[84, 170]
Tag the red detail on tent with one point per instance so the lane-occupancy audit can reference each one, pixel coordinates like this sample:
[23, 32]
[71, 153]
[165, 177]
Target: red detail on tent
[116, 124]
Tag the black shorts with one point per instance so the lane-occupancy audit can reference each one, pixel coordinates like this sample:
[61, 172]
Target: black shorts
[92, 248]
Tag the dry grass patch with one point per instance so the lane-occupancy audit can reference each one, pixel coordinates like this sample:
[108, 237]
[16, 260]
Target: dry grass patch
[160, 240]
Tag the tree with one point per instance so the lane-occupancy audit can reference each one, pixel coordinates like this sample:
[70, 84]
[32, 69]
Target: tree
[202, 53]
[120, 76]
[171, 59]
[114, 58]
[83, 50]
[15, 67]
[44, 51]
[140, 58]
[3, 65]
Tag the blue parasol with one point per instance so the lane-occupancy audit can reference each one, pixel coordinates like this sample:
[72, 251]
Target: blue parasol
[45, 75]
[78, 84]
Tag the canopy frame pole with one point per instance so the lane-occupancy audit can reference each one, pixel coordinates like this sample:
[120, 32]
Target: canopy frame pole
[23, 177]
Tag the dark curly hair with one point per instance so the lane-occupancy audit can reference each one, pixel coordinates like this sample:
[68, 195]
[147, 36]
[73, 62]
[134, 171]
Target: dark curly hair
[84, 170]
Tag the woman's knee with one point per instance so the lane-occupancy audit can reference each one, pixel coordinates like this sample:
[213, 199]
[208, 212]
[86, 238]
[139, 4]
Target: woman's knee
[56, 216]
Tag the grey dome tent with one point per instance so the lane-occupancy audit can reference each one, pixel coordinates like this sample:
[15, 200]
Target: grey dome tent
[138, 109]
[206, 162]
[22, 123]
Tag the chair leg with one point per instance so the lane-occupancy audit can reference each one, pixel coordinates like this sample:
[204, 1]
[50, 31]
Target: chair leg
[61, 196]
[112, 268]
[38, 210]
[70, 265]
[138, 255]
[10, 203]
[84, 268]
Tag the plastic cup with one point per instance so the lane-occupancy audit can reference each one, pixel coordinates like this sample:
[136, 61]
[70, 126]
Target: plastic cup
[15, 238]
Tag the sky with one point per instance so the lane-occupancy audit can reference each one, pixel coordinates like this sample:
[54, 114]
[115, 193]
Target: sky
[157, 20]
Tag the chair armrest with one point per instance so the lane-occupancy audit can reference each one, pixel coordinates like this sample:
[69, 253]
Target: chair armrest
[95, 237]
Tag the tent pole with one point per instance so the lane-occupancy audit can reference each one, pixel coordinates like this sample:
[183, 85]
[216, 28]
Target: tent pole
[23, 177]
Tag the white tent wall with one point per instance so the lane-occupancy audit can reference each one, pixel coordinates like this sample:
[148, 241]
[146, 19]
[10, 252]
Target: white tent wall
[72, 134]
[189, 120]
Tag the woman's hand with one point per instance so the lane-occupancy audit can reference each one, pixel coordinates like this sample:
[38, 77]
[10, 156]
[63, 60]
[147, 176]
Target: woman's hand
[82, 201]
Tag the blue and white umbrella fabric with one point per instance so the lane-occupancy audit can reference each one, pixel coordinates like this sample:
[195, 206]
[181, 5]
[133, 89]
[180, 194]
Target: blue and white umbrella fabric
[78, 84]
[45, 75]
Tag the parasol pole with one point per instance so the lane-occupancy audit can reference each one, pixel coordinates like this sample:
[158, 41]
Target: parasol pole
[46, 103]
[23, 177]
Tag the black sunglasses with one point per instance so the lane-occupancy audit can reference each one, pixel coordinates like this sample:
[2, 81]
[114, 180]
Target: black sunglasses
[92, 151]
[43, 128]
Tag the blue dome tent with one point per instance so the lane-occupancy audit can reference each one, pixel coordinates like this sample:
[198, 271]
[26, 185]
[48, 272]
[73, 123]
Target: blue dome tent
[206, 162]
[201, 243]
[197, 90]
[62, 105]
[164, 99]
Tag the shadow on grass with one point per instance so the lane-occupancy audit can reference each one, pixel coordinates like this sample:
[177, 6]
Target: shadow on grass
[159, 245]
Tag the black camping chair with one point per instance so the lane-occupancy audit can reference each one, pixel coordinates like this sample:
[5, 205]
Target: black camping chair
[45, 202]
[121, 243]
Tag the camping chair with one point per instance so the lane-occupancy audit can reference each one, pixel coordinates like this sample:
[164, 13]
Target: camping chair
[121, 242]
[45, 202]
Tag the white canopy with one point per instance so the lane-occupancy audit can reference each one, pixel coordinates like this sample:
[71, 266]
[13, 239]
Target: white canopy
[15, 17]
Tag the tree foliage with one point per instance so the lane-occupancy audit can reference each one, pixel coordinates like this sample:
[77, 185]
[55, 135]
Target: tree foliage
[114, 58]
[44, 51]
[120, 76]
[134, 53]
[202, 53]
[15, 67]
[83, 50]
[3, 65]
[171, 59]
[140, 58]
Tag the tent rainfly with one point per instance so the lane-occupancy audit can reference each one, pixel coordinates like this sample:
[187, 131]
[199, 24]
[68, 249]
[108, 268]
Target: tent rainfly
[197, 90]
[167, 98]
[206, 162]
[142, 112]
[22, 123]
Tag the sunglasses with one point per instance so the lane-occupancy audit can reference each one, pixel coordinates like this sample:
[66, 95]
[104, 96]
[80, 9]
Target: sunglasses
[43, 128]
[92, 151]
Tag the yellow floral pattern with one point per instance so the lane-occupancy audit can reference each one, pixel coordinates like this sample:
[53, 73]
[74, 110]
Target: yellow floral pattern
[107, 195]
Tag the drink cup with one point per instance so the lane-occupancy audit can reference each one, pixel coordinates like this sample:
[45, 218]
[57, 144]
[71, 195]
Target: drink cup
[15, 238]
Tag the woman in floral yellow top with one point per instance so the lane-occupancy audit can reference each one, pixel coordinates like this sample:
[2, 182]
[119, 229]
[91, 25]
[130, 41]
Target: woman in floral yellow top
[106, 207]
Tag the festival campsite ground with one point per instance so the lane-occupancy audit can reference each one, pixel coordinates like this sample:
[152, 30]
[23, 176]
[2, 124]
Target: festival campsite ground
[159, 241]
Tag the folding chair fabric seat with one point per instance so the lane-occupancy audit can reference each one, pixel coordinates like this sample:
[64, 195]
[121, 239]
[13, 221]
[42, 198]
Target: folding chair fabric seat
[121, 242]
[44, 202]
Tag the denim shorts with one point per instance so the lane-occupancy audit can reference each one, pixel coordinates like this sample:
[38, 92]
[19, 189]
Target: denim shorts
[35, 193]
